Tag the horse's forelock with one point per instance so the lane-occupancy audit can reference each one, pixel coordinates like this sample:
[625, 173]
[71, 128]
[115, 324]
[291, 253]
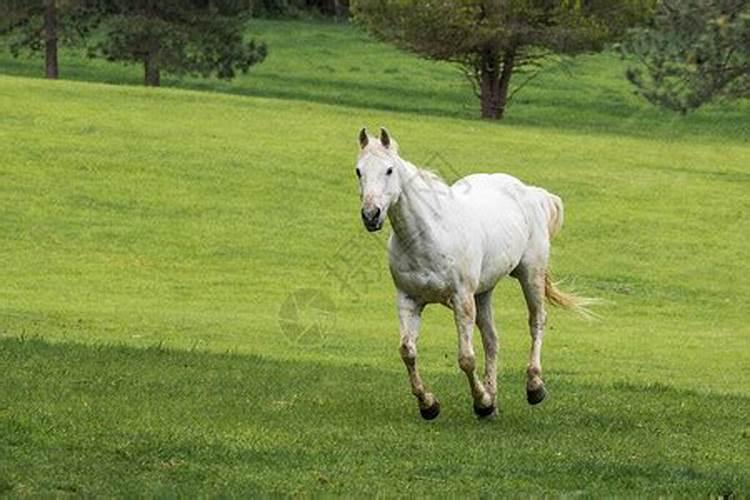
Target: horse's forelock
[375, 148]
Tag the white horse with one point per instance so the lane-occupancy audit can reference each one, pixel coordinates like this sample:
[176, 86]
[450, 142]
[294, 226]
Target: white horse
[451, 245]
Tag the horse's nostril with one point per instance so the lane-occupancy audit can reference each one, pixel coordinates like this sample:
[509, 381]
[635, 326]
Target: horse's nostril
[371, 215]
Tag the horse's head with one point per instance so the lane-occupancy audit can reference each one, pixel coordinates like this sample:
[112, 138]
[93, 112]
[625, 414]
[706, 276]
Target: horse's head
[378, 172]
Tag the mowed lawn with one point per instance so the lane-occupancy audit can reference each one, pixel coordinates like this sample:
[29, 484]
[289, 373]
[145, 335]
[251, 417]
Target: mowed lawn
[149, 239]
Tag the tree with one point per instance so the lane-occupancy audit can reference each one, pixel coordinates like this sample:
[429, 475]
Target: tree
[200, 37]
[692, 52]
[38, 25]
[334, 8]
[50, 39]
[492, 39]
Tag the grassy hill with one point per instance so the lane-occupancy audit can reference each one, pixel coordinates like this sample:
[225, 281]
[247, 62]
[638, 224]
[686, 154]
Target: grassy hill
[138, 224]
[336, 64]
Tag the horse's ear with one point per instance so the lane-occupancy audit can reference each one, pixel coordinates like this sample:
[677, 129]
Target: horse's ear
[385, 138]
[387, 141]
[363, 139]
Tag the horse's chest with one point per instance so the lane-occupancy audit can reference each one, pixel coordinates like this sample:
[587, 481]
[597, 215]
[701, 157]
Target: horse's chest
[431, 283]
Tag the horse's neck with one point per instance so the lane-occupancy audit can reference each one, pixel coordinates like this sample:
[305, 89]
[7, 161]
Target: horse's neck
[421, 207]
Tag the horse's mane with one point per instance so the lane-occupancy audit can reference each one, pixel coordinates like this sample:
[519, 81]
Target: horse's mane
[430, 176]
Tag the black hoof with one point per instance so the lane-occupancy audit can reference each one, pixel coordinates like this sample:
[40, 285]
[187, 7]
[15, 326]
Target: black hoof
[536, 396]
[484, 412]
[431, 412]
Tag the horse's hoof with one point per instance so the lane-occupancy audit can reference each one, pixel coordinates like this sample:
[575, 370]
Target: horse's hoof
[536, 396]
[431, 412]
[485, 412]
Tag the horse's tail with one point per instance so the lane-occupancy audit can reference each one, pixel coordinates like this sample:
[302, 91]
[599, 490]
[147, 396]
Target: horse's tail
[554, 295]
[568, 300]
[556, 213]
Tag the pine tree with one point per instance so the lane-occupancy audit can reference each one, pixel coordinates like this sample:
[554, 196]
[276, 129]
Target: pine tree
[40, 26]
[492, 39]
[198, 37]
[692, 52]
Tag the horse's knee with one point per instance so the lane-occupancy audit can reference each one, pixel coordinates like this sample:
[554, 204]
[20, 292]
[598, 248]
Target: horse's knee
[408, 352]
[491, 351]
[467, 362]
[538, 319]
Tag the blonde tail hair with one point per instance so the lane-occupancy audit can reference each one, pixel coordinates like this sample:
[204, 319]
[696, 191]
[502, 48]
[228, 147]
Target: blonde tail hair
[555, 296]
[569, 301]
[555, 214]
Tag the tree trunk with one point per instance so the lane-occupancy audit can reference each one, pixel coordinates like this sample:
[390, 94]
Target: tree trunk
[152, 75]
[488, 87]
[504, 83]
[494, 84]
[50, 39]
[338, 10]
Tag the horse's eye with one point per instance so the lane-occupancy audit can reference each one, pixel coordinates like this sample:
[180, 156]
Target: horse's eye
[359, 174]
[389, 171]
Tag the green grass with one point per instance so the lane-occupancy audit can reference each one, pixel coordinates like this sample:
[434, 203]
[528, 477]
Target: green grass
[335, 64]
[170, 422]
[139, 224]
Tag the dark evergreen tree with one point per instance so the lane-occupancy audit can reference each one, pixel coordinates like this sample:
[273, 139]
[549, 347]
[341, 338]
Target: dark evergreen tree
[692, 51]
[199, 37]
[41, 25]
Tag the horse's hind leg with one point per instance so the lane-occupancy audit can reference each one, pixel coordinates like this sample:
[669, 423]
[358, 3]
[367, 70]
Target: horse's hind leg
[486, 325]
[532, 283]
[410, 319]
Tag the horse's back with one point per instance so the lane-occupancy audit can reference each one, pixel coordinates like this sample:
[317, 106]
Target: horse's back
[501, 195]
[515, 219]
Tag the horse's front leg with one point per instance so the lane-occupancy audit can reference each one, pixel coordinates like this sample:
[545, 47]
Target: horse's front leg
[410, 319]
[464, 314]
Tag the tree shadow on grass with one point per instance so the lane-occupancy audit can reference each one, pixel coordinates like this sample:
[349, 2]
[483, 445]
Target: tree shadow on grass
[116, 420]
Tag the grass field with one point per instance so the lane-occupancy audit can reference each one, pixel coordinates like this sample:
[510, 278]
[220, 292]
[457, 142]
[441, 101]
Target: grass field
[149, 238]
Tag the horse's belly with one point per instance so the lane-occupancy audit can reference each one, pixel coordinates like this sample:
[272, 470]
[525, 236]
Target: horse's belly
[495, 269]
[425, 285]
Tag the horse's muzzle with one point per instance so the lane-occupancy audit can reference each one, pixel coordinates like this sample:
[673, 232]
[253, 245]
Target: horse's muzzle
[371, 219]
